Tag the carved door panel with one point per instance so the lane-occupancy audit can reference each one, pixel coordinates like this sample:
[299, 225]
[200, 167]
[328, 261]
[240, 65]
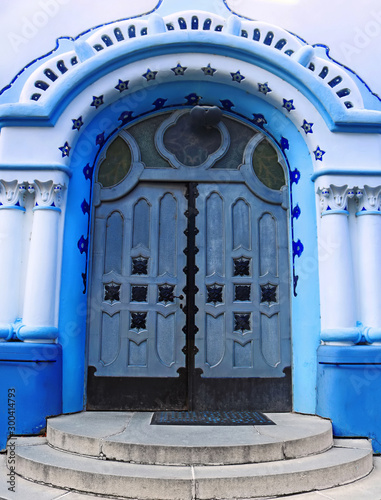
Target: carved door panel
[226, 250]
[243, 284]
[137, 277]
[242, 323]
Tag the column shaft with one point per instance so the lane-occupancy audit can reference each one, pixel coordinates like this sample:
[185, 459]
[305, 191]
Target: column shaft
[41, 279]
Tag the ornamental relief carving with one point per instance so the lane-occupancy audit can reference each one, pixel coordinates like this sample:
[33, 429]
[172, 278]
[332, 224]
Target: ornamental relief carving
[12, 193]
[337, 198]
[45, 194]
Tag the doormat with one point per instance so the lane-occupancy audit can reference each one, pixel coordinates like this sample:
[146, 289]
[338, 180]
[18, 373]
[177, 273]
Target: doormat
[210, 418]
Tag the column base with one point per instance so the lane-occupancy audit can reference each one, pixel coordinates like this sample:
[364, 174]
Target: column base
[349, 390]
[31, 388]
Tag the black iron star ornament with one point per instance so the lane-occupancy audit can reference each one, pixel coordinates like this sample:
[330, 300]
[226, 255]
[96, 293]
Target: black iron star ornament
[112, 292]
[268, 293]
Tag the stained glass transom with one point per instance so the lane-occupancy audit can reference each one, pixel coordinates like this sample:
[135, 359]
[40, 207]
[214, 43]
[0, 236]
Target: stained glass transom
[116, 165]
[267, 167]
[191, 144]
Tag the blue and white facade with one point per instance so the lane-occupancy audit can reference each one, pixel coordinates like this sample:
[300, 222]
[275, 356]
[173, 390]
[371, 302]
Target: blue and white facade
[61, 113]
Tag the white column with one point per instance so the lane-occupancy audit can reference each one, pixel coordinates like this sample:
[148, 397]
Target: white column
[41, 280]
[12, 214]
[337, 290]
[369, 262]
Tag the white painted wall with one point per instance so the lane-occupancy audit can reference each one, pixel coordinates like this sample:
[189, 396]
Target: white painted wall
[351, 29]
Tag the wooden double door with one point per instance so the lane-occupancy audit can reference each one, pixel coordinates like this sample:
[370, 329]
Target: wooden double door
[189, 301]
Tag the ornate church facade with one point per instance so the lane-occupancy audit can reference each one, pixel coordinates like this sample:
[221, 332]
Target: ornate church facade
[190, 219]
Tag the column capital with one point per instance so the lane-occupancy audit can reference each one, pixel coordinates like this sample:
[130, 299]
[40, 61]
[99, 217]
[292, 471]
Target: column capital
[12, 194]
[334, 199]
[46, 194]
[368, 200]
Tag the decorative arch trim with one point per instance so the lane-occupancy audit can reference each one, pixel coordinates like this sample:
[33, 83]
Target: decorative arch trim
[60, 77]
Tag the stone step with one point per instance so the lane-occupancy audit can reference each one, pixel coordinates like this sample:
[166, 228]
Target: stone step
[129, 437]
[37, 461]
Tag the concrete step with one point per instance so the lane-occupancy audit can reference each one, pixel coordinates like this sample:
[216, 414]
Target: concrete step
[37, 461]
[129, 437]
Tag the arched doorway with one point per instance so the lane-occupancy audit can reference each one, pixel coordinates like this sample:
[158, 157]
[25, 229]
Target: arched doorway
[189, 291]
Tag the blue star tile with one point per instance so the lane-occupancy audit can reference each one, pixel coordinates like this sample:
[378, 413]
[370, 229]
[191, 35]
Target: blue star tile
[179, 70]
[284, 143]
[193, 98]
[125, 117]
[88, 172]
[83, 244]
[319, 154]
[289, 105]
[307, 127]
[122, 85]
[208, 70]
[100, 140]
[65, 149]
[159, 103]
[296, 212]
[297, 248]
[264, 88]
[150, 75]
[294, 176]
[259, 120]
[97, 101]
[85, 207]
[237, 77]
[77, 123]
[226, 104]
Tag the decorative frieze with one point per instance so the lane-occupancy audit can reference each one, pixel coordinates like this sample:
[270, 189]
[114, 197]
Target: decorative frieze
[334, 199]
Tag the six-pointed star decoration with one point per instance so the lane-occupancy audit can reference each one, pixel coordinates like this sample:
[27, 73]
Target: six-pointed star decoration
[122, 85]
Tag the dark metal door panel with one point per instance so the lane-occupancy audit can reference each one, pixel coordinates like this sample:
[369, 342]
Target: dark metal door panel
[138, 261]
[243, 284]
